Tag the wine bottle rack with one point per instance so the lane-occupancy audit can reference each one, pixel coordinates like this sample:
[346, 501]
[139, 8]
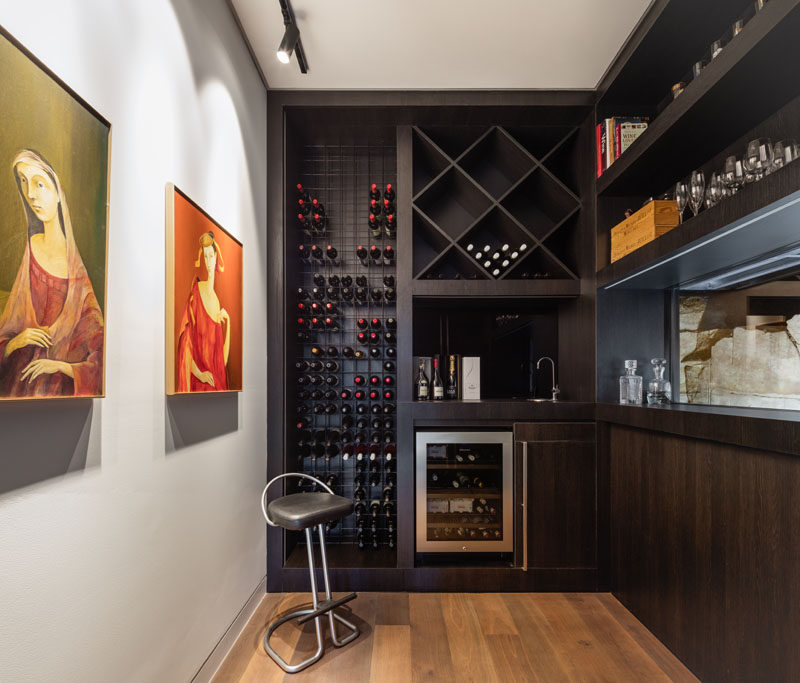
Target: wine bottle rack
[340, 175]
[495, 185]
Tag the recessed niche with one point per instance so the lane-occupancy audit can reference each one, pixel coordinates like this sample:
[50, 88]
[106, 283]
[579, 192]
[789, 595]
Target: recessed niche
[428, 243]
[563, 162]
[428, 162]
[454, 265]
[496, 162]
[453, 140]
[540, 203]
[539, 140]
[564, 243]
[538, 265]
[453, 203]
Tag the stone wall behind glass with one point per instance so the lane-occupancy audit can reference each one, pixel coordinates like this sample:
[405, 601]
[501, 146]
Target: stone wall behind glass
[731, 358]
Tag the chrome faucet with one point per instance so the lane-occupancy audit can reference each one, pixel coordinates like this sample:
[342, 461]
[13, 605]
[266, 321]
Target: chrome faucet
[556, 391]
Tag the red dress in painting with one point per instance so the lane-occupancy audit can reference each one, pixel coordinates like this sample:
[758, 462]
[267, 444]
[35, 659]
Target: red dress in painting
[66, 308]
[202, 340]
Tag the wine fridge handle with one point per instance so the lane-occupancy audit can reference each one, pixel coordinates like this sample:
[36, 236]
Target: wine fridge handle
[524, 506]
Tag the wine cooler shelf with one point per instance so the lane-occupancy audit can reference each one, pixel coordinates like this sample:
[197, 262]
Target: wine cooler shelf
[343, 301]
[495, 203]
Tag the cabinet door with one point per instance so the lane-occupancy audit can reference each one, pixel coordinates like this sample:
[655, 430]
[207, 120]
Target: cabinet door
[561, 492]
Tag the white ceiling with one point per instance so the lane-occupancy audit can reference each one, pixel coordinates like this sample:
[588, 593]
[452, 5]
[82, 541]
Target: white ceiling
[443, 45]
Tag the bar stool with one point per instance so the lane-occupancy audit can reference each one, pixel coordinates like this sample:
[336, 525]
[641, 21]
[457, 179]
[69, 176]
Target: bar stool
[303, 511]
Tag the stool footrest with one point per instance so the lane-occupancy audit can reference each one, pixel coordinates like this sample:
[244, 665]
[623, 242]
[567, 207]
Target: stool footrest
[326, 606]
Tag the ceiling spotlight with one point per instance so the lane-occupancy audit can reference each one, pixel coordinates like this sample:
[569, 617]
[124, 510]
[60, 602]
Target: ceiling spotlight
[290, 36]
[291, 42]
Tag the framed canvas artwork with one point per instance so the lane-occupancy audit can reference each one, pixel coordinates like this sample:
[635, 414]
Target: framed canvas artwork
[54, 167]
[204, 301]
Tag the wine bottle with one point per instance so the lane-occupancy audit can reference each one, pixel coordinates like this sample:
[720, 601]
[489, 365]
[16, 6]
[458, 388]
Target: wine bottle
[390, 338]
[374, 395]
[388, 207]
[332, 380]
[374, 338]
[317, 395]
[375, 225]
[391, 323]
[390, 224]
[317, 351]
[391, 352]
[461, 480]
[389, 192]
[318, 224]
[375, 323]
[375, 207]
[375, 253]
[332, 352]
[331, 324]
[346, 394]
[388, 493]
[359, 494]
[374, 507]
[331, 252]
[438, 386]
[301, 365]
[361, 280]
[376, 409]
[389, 366]
[388, 423]
[376, 294]
[317, 253]
[347, 422]
[374, 192]
[362, 423]
[346, 280]
[347, 409]
[333, 294]
[361, 294]
[347, 294]
[347, 452]
[390, 294]
[347, 352]
[359, 394]
[317, 206]
[388, 381]
[302, 252]
[361, 252]
[362, 338]
[452, 380]
[375, 352]
[374, 480]
[359, 381]
[388, 255]
[303, 206]
[302, 395]
[388, 395]
[331, 451]
[303, 408]
[388, 280]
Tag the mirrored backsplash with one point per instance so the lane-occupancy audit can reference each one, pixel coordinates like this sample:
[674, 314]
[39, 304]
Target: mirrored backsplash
[741, 347]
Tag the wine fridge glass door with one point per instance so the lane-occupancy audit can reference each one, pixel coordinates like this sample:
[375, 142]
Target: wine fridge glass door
[464, 492]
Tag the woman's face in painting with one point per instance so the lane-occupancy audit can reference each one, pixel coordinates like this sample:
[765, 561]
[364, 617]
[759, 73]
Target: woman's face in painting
[38, 190]
[210, 256]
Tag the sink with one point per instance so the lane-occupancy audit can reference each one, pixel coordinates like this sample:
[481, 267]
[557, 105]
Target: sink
[542, 400]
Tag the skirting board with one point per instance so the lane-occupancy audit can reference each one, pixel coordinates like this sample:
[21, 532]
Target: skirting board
[223, 647]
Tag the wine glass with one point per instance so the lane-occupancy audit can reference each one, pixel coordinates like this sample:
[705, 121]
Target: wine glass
[758, 158]
[697, 190]
[714, 191]
[733, 175]
[784, 152]
[682, 197]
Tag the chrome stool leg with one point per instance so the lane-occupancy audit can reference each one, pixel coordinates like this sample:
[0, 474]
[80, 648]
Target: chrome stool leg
[289, 668]
[332, 616]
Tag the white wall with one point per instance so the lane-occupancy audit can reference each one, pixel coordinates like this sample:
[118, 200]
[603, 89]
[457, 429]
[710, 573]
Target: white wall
[130, 531]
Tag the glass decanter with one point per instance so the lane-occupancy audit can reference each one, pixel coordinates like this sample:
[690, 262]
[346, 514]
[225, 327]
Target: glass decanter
[630, 385]
[659, 389]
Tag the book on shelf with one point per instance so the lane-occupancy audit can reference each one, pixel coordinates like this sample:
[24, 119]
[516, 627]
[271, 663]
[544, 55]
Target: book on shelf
[614, 135]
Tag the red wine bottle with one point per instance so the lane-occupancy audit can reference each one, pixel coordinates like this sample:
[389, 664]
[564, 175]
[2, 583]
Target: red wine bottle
[317, 253]
[301, 193]
[388, 255]
[389, 193]
[375, 225]
[375, 253]
[388, 207]
[303, 207]
[390, 224]
[318, 224]
[331, 252]
[302, 252]
[375, 323]
[374, 192]
[362, 323]
[438, 385]
[317, 207]
[361, 252]
[375, 207]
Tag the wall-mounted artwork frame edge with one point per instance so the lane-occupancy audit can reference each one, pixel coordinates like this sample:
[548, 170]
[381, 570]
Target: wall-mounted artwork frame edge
[169, 259]
[6, 34]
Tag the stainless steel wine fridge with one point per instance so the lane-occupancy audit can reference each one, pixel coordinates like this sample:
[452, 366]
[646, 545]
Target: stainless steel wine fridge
[464, 494]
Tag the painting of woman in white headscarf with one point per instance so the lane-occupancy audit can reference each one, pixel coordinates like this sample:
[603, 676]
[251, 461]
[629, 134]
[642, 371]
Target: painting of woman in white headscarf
[53, 228]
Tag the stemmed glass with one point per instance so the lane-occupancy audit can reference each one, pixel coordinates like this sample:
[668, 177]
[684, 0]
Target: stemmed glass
[682, 197]
[758, 158]
[733, 175]
[697, 190]
[784, 152]
[714, 192]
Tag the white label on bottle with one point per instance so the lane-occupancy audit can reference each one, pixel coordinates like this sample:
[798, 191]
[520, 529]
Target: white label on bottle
[438, 392]
[423, 391]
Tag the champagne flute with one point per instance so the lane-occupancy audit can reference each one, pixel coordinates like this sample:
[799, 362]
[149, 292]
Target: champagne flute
[682, 197]
[697, 190]
[758, 158]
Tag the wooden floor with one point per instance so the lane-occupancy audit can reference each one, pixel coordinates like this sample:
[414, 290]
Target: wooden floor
[462, 637]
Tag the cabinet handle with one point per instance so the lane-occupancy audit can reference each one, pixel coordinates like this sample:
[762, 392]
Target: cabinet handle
[524, 506]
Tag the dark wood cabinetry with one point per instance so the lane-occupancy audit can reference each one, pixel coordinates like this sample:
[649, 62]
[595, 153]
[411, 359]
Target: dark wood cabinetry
[559, 500]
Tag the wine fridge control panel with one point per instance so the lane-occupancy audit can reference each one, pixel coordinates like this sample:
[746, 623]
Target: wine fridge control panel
[464, 494]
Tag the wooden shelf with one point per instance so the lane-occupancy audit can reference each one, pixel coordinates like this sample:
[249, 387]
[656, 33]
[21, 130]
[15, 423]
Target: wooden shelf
[738, 89]
[522, 289]
[461, 493]
[679, 255]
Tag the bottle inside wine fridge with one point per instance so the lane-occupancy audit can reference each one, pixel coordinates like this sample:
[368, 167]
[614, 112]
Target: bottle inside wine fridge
[464, 492]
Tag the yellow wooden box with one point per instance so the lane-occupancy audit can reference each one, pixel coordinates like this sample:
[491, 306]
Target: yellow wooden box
[651, 221]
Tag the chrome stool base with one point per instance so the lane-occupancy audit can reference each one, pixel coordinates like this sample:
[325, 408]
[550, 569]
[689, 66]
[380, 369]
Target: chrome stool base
[319, 610]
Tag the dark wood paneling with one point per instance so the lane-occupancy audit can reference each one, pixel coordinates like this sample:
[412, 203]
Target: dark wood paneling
[767, 430]
[706, 544]
[562, 504]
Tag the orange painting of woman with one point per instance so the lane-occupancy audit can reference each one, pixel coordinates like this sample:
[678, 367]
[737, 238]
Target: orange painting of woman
[204, 301]
[205, 329]
[51, 329]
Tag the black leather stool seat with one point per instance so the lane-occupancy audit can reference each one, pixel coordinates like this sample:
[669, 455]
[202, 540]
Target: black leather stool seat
[299, 511]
